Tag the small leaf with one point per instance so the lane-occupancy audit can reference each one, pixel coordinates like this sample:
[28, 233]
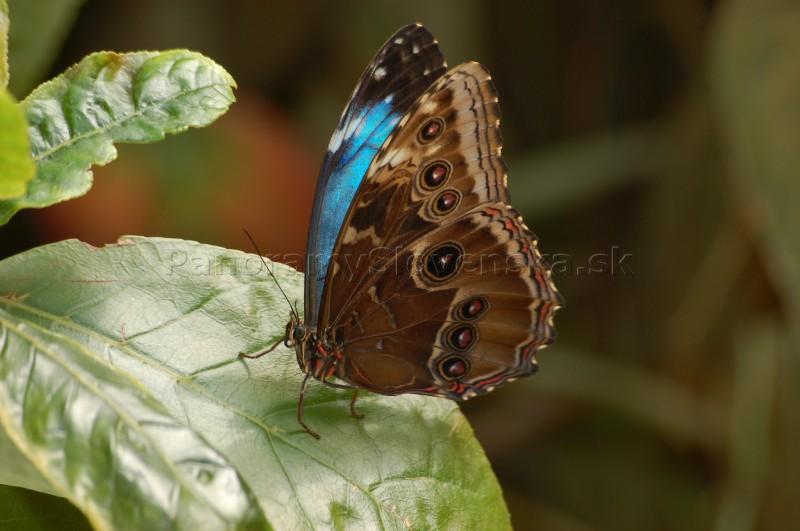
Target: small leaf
[75, 119]
[173, 315]
[104, 443]
[4, 25]
[16, 165]
[37, 34]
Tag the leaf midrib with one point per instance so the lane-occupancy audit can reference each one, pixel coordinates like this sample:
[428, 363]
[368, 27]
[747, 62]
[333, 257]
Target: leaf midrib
[44, 155]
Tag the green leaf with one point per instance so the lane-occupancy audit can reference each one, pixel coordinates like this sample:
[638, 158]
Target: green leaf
[75, 119]
[757, 95]
[104, 443]
[16, 165]
[4, 26]
[38, 31]
[173, 315]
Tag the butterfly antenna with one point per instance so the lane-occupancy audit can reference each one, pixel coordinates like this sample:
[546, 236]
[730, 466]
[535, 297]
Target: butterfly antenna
[292, 308]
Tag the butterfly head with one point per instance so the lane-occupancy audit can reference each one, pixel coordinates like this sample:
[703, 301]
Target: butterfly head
[297, 336]
[296, 332]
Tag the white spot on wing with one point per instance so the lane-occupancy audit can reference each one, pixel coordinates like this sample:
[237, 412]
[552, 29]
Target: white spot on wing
[415, 48]
[428, 107]
[352, 236]
[400, 154]
[336, 140]
[398, 40]
[379, 73]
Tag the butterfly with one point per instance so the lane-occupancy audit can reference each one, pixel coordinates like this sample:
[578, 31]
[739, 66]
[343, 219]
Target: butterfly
[420, 278]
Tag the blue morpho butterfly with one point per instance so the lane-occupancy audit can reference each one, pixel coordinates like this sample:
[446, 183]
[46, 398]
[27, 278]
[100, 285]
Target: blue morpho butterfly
[420, 278]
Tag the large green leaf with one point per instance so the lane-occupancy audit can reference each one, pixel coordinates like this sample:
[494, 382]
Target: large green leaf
[173, 315]
[99, 439]
[756, 84]
[38, 30]
[75, 119]
[16, 165]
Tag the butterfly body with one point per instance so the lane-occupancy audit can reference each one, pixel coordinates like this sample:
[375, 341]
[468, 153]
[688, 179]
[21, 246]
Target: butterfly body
[420, 277]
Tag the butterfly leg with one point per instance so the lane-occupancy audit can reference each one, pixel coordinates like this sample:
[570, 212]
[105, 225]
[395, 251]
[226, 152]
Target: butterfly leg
[263, 352]
[353, 412]
[300, 418]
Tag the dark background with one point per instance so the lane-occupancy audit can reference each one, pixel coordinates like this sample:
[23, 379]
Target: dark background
[637, 150]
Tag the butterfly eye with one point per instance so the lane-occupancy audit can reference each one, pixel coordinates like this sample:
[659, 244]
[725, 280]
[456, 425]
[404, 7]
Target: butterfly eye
[443, 262]
[299, 332]
[453, 367]
[446, 201]
[435, 174]
[472, 308]
[430, 130]
[461, 337]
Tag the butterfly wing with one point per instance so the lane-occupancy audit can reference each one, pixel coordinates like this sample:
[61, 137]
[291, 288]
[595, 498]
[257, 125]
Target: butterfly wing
[436, 285]
[401, 70]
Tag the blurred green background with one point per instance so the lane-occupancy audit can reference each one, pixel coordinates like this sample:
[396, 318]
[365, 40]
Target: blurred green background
[654, 147]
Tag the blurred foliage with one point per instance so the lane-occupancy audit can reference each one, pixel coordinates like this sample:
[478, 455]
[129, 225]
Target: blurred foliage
[33, 55]
[3, 44]
[662, 129]
[34, 511]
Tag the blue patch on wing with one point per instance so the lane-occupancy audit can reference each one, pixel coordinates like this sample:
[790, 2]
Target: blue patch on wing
[358, 148]
[399, 73]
